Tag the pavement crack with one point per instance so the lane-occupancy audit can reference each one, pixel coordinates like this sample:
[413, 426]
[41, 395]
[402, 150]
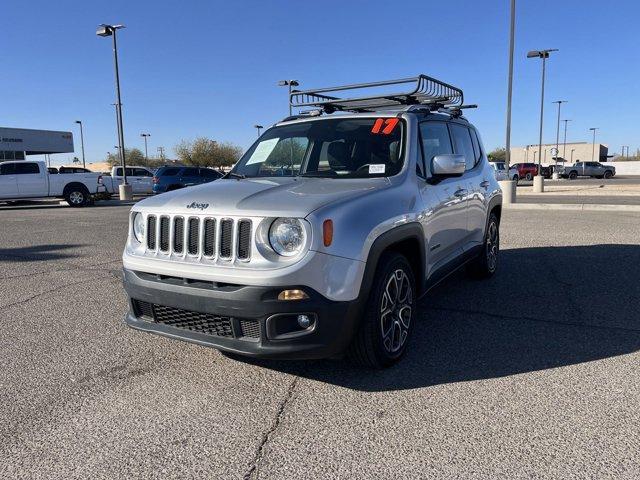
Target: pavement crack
[533, 319]
[254, 468]
[46, 292]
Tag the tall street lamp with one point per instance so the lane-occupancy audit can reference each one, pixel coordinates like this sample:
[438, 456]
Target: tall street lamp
[258, 127]
[564, 148]
[559, 102]
[288, 83]
[145, 136]
[105, 30]
[538, 182]
[81, 142]
[593, 146]
[508, 185]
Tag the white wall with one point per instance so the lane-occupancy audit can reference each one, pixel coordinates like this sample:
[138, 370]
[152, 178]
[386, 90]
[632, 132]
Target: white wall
[626, 168]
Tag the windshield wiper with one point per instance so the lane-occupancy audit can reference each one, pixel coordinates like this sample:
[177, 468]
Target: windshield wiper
[235, 175]
[326, 174]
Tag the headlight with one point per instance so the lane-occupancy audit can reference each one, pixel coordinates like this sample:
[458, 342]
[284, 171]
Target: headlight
[287, 236]
[138, 227]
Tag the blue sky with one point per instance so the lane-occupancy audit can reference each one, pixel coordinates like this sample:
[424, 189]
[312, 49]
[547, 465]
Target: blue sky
[210, 68]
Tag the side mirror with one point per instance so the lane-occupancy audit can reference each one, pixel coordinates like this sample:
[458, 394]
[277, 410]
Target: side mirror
[450, 165]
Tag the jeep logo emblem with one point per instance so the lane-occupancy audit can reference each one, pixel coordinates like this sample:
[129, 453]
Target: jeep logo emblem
[199, 206]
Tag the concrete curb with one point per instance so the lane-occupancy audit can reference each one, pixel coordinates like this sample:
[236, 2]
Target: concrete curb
[582, 207]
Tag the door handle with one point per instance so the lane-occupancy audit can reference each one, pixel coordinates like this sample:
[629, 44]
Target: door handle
[484, 184]
[461, 193]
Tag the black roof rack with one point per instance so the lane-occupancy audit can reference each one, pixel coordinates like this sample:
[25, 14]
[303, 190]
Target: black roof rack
[420, 90]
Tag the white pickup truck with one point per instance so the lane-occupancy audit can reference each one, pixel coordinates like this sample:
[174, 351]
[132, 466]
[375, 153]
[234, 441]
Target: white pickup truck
[140, 179]
[27, 180]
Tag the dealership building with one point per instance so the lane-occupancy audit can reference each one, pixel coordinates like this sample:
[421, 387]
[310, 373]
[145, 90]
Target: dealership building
[18, 143]
[570, 152]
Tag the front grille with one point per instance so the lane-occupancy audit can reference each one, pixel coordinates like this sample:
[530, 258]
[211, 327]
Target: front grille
[164, 234]
[178, 234]
[206, 237]
[206, 323]
[151, 233]
[244, 239]
[226, 232]
[193, 241]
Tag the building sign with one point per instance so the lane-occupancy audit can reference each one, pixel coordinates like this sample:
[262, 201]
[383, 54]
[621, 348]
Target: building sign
[35, 141]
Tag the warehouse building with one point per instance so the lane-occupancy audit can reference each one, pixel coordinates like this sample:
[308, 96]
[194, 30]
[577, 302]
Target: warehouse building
[18, 143]
[571, 152]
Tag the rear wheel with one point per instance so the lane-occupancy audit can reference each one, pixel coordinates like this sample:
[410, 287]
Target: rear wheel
[486, 263]
[77, 196]
[388, 320]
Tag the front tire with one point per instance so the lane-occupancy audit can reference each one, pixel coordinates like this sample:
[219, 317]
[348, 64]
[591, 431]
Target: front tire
[529, 177]
[486, 264]
[386, 326]
[608, 174]
[573, 175]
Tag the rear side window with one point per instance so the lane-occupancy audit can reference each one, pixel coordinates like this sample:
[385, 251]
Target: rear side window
[141, 172]
[190, 172]
[476, 146]
[169, 172]
[7, 168]
[435, 140]
[463, 145]
[208, 173]
[26, 168]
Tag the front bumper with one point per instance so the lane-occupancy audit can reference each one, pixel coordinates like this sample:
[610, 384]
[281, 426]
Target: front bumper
[334, 322]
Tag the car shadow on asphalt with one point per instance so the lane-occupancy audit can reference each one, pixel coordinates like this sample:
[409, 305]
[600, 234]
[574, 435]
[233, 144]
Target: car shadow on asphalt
[545, 308]
[38, 253]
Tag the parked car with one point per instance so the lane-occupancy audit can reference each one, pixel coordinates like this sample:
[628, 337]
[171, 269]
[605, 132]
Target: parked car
[526, 170]
[587, 169]
[167, 179]
[501, 173]
[22, 180]
[382, 202]
[140, 179]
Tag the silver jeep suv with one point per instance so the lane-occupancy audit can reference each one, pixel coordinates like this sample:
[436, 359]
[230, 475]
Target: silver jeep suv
[325, 234]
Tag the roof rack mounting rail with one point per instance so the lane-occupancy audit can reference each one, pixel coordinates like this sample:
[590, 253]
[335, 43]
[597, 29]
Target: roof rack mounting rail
[416, 90]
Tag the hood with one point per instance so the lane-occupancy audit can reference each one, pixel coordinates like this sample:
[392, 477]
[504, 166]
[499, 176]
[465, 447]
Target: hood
[262, 197]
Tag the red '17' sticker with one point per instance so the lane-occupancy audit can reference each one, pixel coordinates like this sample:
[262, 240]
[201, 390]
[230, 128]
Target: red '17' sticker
[388, 123]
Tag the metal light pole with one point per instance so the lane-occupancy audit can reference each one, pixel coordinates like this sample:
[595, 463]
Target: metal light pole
[288, 83]
[559, 102]
[258, 127]
[105, 30]
[538, 182]
[593, 147]
[564, 148]
[509, 186]
[81, 142]
[161, 152]
[145, 135]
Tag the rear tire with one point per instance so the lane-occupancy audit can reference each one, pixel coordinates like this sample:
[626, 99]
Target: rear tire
[387, 323]
[486, 264]
[77, 196]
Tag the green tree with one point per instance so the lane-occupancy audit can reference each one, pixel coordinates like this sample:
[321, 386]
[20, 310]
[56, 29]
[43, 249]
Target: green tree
[498, 155]
[133, 156]
[207, 152]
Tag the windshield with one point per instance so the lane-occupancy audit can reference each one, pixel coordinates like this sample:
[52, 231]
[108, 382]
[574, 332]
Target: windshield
[333, 148]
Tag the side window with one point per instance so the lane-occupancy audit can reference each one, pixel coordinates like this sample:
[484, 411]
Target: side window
[26, 168]
[141, 172]
[190, 172]
[435, 140]
[7, 168]
[208, 173]
[477, 147]
[119, 172]
[463, 144]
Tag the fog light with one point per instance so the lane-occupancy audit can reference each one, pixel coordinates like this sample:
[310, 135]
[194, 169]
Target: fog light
[292, 295]
[304, 321]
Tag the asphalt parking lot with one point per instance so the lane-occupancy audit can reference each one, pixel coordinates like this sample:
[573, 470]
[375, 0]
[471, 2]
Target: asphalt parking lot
[533, 374]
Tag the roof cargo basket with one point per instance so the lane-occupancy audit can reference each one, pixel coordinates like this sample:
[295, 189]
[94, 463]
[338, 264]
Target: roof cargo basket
[420, 90]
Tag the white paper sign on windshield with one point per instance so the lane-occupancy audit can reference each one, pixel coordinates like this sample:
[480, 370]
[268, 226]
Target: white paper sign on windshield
[377, 168]
[262, 151]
